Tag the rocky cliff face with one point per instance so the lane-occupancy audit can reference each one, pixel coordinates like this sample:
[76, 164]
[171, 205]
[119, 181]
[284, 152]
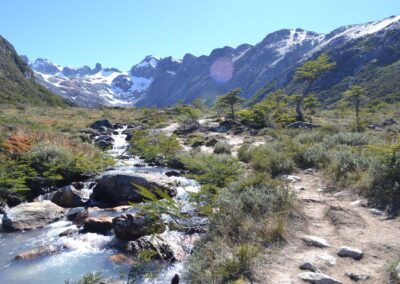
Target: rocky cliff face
[265, 66]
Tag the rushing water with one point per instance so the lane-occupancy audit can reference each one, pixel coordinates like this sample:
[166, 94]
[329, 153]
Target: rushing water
[89, 252]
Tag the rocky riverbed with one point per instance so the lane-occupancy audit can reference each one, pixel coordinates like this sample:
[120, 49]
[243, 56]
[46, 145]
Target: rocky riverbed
[91, 226]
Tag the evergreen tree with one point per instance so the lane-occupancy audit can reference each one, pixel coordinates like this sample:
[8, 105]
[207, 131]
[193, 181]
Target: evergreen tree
[308, 74]
[230, 101]
[355, 96]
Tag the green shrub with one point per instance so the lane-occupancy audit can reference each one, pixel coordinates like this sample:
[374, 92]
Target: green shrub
[222, 148]
[276, 158]
[350, 139]
[151, 146]
[216, 170]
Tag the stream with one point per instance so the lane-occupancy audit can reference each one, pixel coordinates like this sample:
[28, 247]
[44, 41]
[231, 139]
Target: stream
[91, 252]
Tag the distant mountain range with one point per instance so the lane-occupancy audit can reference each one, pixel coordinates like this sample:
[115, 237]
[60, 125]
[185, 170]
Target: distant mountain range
[361, 51]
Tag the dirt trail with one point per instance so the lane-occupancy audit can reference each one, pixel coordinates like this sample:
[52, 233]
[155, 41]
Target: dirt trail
[334, 217]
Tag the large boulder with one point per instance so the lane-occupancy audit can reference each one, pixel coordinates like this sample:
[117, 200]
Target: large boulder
[116, 188]
[102, 224]
[69, 196]
[161, 249]
[131, 227]
[98, 125]
[32, 215]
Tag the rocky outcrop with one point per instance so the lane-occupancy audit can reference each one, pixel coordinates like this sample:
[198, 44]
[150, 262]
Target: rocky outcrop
[40, 251]
[69, 196]
[32, 215]
[131, 227]
[121, 188]
[354, 253]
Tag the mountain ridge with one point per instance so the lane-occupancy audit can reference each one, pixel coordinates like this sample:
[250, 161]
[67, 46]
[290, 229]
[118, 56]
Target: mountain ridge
[164, 81]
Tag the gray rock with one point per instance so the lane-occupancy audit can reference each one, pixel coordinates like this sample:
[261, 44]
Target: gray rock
[69, 196]
[317, 278]
[308, 266]
[122, 188]
[132, 227]
[357, 277]
[315, 241]
[32, 215]
[354, 253]
[154, 243]
[40, 251]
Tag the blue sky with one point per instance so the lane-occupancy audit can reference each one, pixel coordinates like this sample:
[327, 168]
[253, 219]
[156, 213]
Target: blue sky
[120, 33]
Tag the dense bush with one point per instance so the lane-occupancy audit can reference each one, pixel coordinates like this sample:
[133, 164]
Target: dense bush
[222, 148]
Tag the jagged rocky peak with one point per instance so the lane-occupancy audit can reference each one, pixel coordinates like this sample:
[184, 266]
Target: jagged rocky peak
[45, 66]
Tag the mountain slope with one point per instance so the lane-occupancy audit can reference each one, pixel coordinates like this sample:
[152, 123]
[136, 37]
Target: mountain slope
[257, 69]
[17, 85]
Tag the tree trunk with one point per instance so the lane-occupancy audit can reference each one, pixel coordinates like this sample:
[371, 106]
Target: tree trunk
[233, 112]
[299, 112]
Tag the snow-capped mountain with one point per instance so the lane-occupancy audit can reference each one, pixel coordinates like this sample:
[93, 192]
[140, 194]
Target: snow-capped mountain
[164, 81]
[98, 86]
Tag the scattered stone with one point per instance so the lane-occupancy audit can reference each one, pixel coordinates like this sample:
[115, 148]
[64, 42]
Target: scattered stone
[357, 277]
[360, 202]
[354, 253]
[291, 178]
[68, 233]
[69, 196]
[40, 251]
[376, 212]
[172, 174]
[327, 258]
[302, 125]
[320, 189]
[27, 216]
[308, 266]
[132, 227]
[318, 278]
[309, 171]
[121, 188]
[101, 123]
[315, 241]
[102, 224]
